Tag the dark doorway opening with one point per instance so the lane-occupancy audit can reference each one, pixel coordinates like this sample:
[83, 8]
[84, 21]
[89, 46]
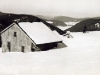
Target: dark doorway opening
[52, 45]
[9, 46]
[22, 50]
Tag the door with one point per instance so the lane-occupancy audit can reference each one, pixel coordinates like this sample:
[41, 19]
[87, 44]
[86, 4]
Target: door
[22, 50]
[9, 46]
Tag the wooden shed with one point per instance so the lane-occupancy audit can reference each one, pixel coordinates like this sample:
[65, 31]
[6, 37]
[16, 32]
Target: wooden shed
[28, 37]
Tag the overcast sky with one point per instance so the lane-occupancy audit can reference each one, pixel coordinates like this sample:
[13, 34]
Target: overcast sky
[71, 8]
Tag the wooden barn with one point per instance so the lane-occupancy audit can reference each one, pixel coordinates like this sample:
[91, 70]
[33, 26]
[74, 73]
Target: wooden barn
[28, 37]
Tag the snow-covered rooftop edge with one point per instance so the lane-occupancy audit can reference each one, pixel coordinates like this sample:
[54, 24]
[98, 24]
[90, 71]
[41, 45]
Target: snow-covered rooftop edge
[39, 32]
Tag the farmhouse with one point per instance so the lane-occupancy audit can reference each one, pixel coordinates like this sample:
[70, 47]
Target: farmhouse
[28, 37]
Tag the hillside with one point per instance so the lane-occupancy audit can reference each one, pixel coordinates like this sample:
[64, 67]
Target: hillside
[8, 18]
[44, 17]
[68, 19]
[57, 23]
[79, 26]
[62, 20]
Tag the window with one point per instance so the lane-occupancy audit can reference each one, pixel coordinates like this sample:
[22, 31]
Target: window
[22, 49]
[9, 46]
[32, 49]
[15, 34]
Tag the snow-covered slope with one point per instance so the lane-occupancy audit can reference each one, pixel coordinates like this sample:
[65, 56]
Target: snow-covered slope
[81, 57]
[64, 28]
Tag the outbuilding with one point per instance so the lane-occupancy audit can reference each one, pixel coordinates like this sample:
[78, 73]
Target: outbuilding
[28, 37]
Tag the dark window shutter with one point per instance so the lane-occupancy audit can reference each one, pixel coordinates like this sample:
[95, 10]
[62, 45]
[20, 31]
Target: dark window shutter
[15, 34]
[9, 46]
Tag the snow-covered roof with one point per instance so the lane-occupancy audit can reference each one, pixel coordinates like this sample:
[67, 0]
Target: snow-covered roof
[39, 32]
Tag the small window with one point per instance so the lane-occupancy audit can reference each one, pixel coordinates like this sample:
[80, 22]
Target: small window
[22, 49]
[32, 49]
[9, 46]
[15, 34]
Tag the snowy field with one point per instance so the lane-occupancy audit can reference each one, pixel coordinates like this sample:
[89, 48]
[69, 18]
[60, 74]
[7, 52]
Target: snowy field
[64, 28]
[81, 57]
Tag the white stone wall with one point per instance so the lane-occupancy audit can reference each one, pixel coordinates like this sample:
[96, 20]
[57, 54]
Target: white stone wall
[16, 42]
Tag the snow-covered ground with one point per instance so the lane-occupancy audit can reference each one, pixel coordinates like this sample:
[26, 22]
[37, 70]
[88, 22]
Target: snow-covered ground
[68, 25]
[64, 28]
[51, 22]
[71, 23]
[81, 57]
